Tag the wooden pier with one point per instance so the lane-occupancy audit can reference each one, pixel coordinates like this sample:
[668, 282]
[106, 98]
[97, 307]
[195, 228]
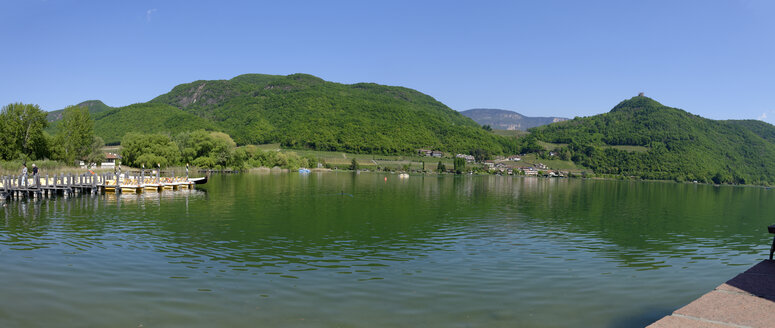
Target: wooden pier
[88, 183]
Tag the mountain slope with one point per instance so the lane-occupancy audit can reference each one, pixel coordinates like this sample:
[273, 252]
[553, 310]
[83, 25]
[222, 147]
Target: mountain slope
[113, 124]
[94, 107]
[500, 119]
[681, 146]
[304, 111]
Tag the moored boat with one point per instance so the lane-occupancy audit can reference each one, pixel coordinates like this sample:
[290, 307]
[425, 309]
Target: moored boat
[201, 180]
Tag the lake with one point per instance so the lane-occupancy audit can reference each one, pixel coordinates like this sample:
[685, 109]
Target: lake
[358, 250]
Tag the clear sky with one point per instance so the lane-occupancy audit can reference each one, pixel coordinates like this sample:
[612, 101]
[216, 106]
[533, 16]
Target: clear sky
[541, 58]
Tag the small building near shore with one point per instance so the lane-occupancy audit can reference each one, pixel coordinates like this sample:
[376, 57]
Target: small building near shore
[110, 159]
[527, 170]
[424, 152]
[468, 158]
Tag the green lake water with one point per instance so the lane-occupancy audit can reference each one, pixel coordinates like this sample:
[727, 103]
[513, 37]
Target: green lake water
[347, 250]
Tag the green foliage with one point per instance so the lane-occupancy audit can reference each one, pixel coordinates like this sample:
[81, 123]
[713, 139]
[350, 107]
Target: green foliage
[480, 155]
[303, 111]
[113, 124]
[74, 138]
[212, 150]
[529, 144]
[209, 149]
[460, 165]
[441, 167]
[299, 111]
[21, 132]
[92, 106]
[680, 146]
[354, 165]
[149, 150]
[96, 155]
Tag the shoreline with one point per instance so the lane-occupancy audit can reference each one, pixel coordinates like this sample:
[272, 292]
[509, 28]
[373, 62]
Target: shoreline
[195, 171]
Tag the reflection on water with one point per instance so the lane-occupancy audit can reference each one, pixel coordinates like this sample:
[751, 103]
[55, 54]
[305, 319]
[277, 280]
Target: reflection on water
[338, 249]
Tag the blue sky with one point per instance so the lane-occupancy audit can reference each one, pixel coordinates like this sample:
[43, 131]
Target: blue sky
[550, 58]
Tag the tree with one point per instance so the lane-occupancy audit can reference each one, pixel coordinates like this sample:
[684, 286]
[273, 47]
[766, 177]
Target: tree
[22, 131]
[217, 149]
[149, 149]
[354, 165]
[441, 167]
[460, 165]
[96, 155]
[481, 155]
[223, 148]
[531, 145]
[7, 145]
[75, 135]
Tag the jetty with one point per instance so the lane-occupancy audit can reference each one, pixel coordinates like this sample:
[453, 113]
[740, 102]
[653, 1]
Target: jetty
[747, 300]
[91, 183]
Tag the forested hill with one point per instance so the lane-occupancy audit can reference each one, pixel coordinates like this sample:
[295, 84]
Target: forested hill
[94, 107]
[501, 119]
[678, 145]
[303, 111]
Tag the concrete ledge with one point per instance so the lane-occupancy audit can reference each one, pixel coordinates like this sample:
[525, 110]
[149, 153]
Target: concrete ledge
[678, 321]
[747, 300]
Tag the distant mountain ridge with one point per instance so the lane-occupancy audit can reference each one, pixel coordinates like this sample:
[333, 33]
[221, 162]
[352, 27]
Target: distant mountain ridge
[501, 119]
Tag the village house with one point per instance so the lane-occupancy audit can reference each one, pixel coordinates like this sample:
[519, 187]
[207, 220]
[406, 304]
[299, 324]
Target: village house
[111, 159]
[489, 164]
[541, 166]
[430, 153]
[468, 158]
[515, 158]
[424, 152]
[527, 170]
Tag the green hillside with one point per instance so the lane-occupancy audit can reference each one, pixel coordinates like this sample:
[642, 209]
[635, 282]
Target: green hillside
[303, 111]
[94, 107]
[113, 124]
[680, 145]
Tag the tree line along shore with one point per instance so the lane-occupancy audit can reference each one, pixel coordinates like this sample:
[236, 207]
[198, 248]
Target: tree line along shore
[25, 139]
[638, 139]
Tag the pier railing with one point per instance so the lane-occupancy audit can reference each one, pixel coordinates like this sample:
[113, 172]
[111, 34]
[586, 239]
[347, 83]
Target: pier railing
[70, 184]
